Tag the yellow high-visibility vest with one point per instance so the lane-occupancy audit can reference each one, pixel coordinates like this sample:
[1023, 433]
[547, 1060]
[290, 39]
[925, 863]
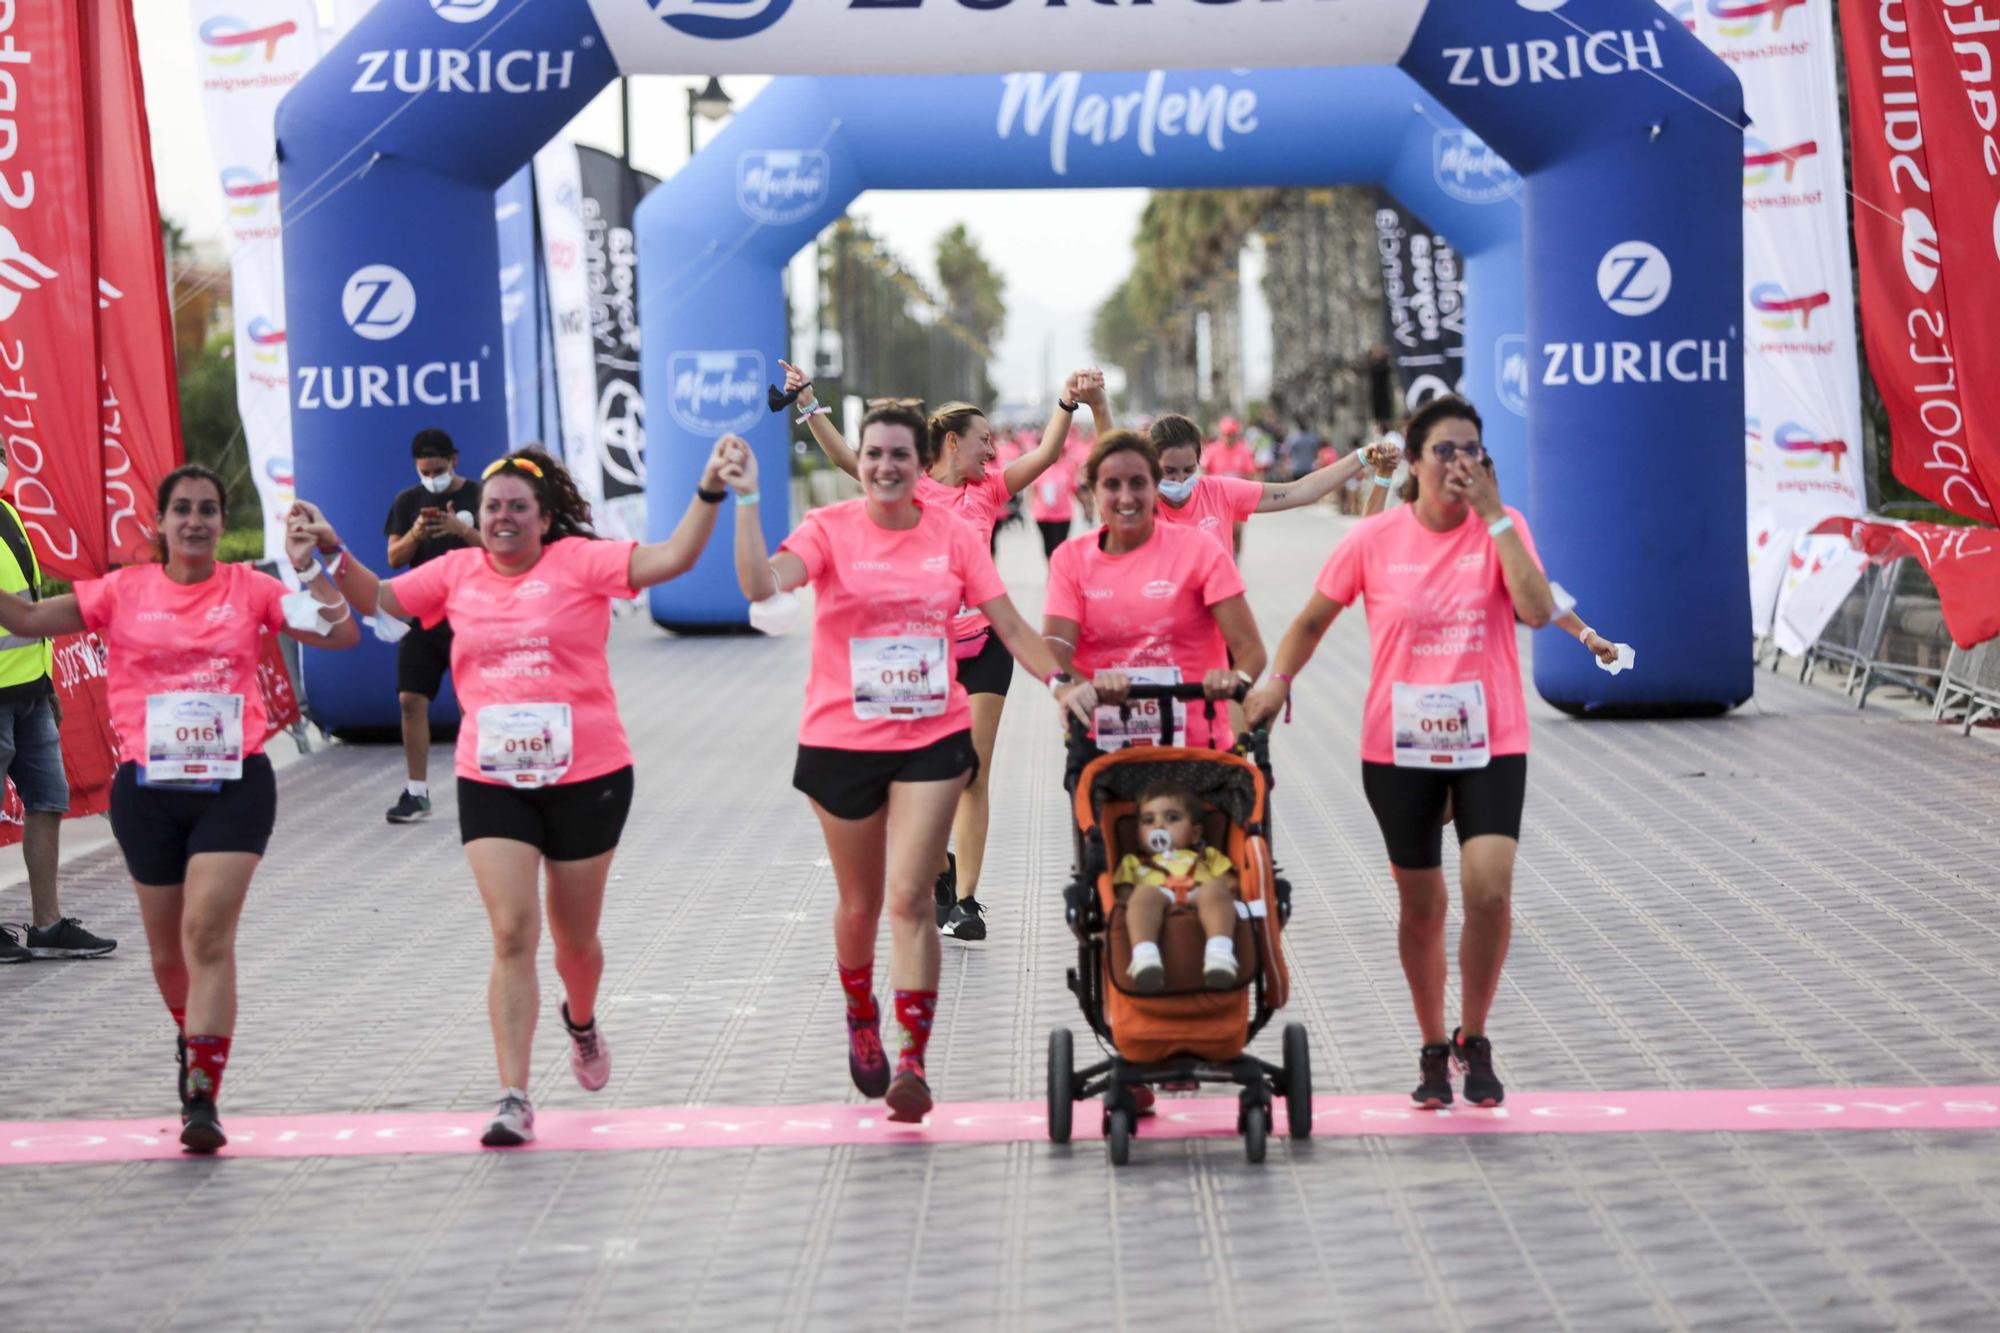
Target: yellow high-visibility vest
[22, 661]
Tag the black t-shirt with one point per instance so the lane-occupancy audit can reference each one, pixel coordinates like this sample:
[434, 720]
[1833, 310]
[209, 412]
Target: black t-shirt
[403, 517]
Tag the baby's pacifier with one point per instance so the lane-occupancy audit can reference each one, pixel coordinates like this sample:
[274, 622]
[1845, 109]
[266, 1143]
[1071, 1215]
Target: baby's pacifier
[1160, 841]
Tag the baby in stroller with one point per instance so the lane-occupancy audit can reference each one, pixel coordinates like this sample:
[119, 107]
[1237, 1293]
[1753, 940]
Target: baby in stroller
[1178, 863]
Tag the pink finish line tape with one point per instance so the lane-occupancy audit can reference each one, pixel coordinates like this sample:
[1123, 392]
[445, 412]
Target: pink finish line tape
[29, 1143]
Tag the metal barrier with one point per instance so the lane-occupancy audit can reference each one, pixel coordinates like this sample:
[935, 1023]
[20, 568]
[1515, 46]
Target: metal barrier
[1851, 636]
[1971, 681]
[1913, 644]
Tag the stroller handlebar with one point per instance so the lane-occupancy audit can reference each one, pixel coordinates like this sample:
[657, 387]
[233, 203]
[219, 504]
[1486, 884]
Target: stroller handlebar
[1187, 692]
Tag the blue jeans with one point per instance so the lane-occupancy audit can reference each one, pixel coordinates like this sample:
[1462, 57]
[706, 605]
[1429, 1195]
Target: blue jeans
[31, 754]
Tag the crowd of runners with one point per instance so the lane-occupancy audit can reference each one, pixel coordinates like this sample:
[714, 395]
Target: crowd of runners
[914, 644]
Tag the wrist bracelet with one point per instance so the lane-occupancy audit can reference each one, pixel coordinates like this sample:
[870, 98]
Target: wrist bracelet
[819, 410]
[1279, 675]
[711, 497]
[333, 567]
[1383, 481]
[748, 499]
[1067, 406]
[1499, 525]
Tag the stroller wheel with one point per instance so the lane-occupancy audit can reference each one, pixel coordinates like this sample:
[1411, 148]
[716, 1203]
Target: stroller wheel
[1118, 1135]
[1298, 1082]
[1256, 1125]
[1062, 1085]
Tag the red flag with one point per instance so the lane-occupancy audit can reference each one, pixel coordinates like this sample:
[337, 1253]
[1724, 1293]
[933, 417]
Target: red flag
[48, 292]
[140, 406]
[1964, 564]
[1956, 50]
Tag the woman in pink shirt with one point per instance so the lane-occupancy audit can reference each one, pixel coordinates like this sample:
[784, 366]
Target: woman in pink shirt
[1144, 602]
[1445, 577]
[544, 771]
[194, 799]
[957, 449]
[886, 741]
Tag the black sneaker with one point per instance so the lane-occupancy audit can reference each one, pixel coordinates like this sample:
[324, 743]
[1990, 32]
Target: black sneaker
[946, 889]
[11, 950]
[201, 1127]
[1434, 1068]
[409, 808]
[1474, 1057]
[966, 922]
[67, 939]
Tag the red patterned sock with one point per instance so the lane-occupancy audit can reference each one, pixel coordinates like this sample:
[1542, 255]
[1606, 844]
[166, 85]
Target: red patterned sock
[914, 1010]
[859, 983]
[206, 1057]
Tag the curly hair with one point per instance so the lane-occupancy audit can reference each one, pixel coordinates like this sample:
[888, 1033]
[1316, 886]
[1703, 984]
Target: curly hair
[555, 492]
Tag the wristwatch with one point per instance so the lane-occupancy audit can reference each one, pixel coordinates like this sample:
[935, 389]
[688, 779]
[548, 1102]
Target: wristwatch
[1059, 678]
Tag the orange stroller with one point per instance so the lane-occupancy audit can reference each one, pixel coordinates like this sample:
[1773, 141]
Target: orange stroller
[1186, 1034]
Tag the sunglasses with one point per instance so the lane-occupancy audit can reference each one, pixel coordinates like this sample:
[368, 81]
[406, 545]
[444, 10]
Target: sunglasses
[527, 465]
[874, 403]
[1444, 453]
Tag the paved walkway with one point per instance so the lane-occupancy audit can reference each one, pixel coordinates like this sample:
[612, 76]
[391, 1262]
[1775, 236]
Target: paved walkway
[1795, 896]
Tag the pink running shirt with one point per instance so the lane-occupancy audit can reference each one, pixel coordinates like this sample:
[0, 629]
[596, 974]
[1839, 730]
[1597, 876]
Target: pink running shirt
[1148, 608]
[536, 637]
[982, 503]
[1217, 505]
[871, 582]
[1054, 493]
[165, 637]
[1438, 612]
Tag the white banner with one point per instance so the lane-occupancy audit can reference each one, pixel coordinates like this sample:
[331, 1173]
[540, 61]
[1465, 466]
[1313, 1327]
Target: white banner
[249, 53]
[559, 195]
[907, 37]
[1802, 381]
[1824, 569]
[1770, 553]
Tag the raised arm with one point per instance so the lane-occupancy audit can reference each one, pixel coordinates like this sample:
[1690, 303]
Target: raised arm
[1296, 649]
[824, 432]
[339, 631]
[760, 574]
[1316, 486]
[1527, 585]
[366, 593]
[28, 621]
[658, 562]
[1021, 473]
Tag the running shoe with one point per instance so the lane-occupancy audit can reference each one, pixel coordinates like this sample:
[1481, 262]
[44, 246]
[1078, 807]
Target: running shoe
[181, 1051]
[409, 808]
[589, 1054]
[867, 1062]
[1434, 1066]
[909, 1097]
[513, 1124]
[201, 1127]
[946, 889]
[11, 950]
[67, 939]
[1474, 1057]
[967, 921]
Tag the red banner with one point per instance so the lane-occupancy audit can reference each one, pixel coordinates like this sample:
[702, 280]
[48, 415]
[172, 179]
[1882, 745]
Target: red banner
[89, 747]
[1964, 563]
[1905, 329]
[48, 291]
[140, 406]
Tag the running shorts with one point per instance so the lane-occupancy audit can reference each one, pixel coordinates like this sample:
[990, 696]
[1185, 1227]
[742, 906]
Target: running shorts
[1054, 534]
[569, 821]
[854, 784]
[159, 828]
[988, 671]
[1409, 806]
[422, 658]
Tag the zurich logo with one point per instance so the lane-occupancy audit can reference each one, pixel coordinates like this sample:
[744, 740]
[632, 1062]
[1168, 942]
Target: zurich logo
[1470, 171]
[1634, 278]
[714, 392]
[378, 302]
[463, 11]
[720, 19]
[1510, 372]
[779, 186]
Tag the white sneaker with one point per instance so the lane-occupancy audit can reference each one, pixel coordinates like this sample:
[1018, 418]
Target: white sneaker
[1218, 967]
[513, 1124]
[589, 1054]
[1146, 972]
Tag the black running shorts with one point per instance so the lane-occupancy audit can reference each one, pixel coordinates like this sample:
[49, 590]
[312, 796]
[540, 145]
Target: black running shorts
[854, 784]
[1409, 806]
[570, 821]
[988, 671]
[1054, 534]
[159, 828]
[422, 658]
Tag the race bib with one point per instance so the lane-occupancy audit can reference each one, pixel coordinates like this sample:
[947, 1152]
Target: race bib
[194, 738]
[1441, 726]
[899, 679]
[1142, 726]
[525, 745]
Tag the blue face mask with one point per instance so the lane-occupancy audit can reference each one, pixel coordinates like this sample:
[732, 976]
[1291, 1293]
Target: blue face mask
[1177, 492]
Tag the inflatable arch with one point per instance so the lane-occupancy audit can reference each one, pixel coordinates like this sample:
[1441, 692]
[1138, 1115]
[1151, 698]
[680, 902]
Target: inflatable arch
[1606, 299]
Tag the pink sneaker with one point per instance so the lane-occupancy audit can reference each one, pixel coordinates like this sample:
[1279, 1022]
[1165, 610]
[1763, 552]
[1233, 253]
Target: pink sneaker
[589, 1055]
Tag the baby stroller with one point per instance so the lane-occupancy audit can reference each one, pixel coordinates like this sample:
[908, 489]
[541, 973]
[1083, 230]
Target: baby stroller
[1186, 1034]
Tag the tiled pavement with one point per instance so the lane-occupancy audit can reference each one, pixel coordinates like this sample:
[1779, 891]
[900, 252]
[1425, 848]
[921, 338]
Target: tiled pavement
[1791, 896]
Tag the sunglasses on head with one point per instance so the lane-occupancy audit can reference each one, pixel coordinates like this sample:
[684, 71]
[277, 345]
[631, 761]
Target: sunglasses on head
[874, 403]
[527, 465]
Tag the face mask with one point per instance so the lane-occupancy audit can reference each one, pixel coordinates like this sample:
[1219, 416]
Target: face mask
[437, 485]
[1160, 840]
[775, 615]
[387, 628]
[1177, 492]
[302, 612]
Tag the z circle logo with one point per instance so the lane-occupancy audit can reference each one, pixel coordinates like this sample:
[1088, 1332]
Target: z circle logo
[1542, 6]
[463, 11]
[378, 302]
[1634, 278]
[738, 18]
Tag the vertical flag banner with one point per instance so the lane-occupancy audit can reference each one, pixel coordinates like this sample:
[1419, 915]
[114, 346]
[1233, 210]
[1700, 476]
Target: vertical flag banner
[1824, 569]
[559, 192]
[48, 292]
[1802, 394]
[610, 196]
[1956, 49]
[520, 305]
[1910, 325]
[249, 54]
[1423, 296]
[140, 408]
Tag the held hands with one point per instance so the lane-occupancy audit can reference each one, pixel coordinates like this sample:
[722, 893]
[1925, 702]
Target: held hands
[796, 379]
[299, 544]
[1382, 456]
[1266, 701]
[732, 463]
[1085, 387]
[306, 514]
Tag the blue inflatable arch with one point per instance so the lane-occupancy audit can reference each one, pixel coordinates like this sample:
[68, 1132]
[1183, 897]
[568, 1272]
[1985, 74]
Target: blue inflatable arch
[1605, 280]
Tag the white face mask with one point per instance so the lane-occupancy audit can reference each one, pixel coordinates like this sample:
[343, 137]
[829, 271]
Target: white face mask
[3, 472]
[1177, 492]
[775, 615]
[387, 628]
[303, 611]
[437, 485]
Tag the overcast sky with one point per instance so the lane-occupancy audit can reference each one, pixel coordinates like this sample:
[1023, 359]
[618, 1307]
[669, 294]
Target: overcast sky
[1061, 251]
